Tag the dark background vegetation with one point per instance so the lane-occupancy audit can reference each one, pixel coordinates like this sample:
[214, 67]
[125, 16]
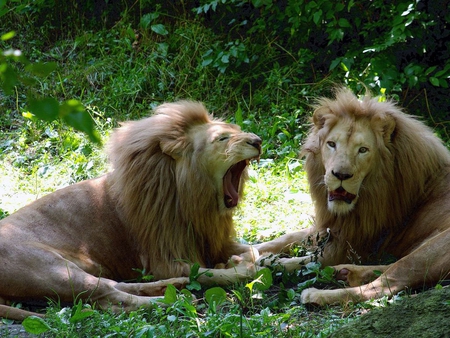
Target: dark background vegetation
[260, 62]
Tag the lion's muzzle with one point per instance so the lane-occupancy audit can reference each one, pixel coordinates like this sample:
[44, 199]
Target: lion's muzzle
[340, 194]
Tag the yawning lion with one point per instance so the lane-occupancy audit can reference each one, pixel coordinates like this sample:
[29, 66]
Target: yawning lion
[167, 203]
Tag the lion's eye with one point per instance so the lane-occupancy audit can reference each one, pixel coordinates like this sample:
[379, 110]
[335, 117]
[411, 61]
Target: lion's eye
[363, 150]
[223, 138]
[331, 144]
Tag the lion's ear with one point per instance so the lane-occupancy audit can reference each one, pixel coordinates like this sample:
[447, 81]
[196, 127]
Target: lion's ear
[320, 116]
[385, 124]
[172, 147]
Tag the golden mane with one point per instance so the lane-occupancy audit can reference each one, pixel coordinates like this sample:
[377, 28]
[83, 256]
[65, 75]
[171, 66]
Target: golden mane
[409, 160]
[170, 205]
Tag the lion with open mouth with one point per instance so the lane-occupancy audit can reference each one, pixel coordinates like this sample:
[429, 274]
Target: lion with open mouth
[167, 203]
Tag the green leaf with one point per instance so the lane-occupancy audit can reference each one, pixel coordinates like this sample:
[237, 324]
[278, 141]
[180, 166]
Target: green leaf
[344, 23]
[206, 62]
[264, 279]
[238, 116]
[8, 35]
[170, 296]
[377, 273]
[193, 274]
[35, 325]
[159, 29]
[443, 83]
[215, 296]
[194, 285]
[46, 109]
[434, 81]
[74, 114]
[430, 70]
[41, 68]
[327, 273]
[79, 313]
[335, 63]
[225, 58]
[147, 19]
[8, 77]
[317, 17]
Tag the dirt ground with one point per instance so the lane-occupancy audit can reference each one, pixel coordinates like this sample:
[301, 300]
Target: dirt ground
[426, 315]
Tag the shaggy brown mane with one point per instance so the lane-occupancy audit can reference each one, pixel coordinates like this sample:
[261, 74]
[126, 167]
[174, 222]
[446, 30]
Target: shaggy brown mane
[156, 195]
[409, 160]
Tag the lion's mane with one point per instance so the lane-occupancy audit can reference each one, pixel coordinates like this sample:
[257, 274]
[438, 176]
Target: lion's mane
[410, 161]
[169, 203]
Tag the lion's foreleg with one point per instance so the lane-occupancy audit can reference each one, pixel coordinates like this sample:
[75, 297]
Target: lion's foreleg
[356, 275]
[426, 265]
[156, 288]
[240, 272]
[240, 253]
[283, 243]
[288, 264]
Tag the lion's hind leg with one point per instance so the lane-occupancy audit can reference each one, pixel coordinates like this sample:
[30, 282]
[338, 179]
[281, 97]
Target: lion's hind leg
[35, 272]
[425, 266]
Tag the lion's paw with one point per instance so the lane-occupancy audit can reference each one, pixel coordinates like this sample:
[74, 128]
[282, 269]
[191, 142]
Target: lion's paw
[312, 296]
[251, 256]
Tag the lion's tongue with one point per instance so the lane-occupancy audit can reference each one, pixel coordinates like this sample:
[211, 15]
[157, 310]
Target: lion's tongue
[231, 184]
[341, 194]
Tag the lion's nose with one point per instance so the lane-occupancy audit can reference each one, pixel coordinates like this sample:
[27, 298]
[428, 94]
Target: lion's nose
[342, 176]
[255, 142]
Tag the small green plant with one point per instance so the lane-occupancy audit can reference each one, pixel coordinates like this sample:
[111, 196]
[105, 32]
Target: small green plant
[38, 325]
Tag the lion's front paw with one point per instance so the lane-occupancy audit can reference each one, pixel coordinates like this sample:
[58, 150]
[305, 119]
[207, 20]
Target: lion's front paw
[245, 268]
[312, 296]
[356, 275]
[249, 256]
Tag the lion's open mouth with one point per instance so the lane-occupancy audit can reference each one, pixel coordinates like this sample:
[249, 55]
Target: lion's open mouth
[340, 194]
[231, 182]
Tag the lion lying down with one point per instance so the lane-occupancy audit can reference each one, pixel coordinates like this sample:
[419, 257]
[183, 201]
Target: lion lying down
[380, 182]
[177, 176]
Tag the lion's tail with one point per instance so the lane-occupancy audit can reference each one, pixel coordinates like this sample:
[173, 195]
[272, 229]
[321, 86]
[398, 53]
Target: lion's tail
[13, 313]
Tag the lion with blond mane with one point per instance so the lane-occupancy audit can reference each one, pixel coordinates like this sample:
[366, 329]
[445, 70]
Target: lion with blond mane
[168, 203]
[380, 182]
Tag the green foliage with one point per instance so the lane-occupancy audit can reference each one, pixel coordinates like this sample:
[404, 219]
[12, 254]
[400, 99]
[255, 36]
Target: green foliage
[45, 108]
[397, 47]
[35, 325]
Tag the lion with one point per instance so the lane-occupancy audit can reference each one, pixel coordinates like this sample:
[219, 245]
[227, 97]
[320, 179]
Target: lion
[166, 204]
[380, 184]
